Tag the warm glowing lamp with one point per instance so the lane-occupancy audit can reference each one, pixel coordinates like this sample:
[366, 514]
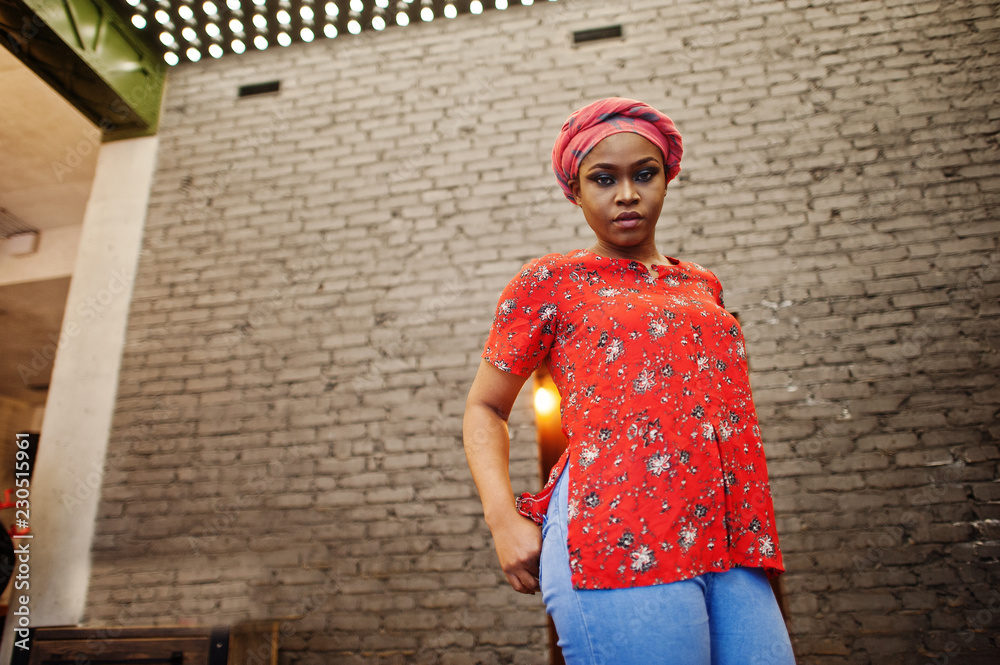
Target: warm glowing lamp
[548, 421]
[546, 401]
[551, 444]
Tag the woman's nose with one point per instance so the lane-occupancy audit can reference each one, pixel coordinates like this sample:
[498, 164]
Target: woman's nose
[627, 193]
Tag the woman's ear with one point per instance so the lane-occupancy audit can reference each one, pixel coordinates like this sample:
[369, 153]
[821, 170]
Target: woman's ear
[574, 186]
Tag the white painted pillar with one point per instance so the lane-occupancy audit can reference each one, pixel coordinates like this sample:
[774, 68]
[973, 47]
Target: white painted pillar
[81, 400]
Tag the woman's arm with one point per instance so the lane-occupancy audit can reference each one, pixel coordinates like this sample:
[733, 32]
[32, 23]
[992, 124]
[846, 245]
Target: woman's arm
[518, 540]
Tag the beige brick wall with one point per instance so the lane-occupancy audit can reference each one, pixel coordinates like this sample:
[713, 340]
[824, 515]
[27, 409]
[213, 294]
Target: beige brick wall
[321, 265]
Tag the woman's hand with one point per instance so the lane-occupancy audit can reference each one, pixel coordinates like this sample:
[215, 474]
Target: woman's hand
[487, 447]
[519, 547]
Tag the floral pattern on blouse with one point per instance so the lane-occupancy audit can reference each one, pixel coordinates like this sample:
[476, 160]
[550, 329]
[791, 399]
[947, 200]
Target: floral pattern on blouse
[667, 476]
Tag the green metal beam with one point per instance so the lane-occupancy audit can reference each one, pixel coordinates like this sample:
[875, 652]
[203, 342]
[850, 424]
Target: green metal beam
[91, 56]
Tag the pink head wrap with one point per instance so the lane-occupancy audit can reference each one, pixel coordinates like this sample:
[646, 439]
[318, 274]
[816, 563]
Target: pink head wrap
[595, 122]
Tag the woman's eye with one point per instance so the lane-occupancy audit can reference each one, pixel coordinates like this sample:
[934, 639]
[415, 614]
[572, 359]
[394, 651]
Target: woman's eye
[645, 176]
[604, 180]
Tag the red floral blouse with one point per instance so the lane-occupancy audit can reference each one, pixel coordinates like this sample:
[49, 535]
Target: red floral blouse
[667, 477]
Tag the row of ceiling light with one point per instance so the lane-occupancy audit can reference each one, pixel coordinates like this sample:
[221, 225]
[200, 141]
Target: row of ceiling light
[214, 26]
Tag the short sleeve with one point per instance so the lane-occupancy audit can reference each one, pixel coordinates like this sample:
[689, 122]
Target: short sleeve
[526, 320]
[711, 284]
[716, 287]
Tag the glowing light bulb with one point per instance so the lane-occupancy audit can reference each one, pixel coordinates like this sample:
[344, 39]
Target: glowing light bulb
[139, 21]
[260, 20]
[284, 39]
[332, 9]
[402, 18]
[353, 27]
[171, 58]
[426, 14]
[193, 54]
[260, 41]
[162, 16]
[210, 8]
[330, 31]
[238, 46]
[450, 11]
[212, 30]
[185, 12]
[283, 17]
[215, 51]
[476, 7]
[307, 35]
[546, 401]
[306, 13]
[166, 38]
[378, 23]
[235, 26]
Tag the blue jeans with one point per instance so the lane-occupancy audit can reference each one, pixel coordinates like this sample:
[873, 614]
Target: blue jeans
[727, 618]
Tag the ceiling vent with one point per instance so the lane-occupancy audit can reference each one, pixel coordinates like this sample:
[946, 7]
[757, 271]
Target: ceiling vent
[259, 89]
[597, 34]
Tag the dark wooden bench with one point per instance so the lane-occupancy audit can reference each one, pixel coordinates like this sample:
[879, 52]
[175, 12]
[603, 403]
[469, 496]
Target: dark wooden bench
[248, 643]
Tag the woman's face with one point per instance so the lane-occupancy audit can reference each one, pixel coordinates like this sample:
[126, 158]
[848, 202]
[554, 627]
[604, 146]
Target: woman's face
[620, 188]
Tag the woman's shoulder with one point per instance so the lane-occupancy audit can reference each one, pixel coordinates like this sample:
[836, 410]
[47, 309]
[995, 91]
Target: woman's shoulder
[700, 277]
[571, 258]
[690, 266]
[554, 264]
[697, 270]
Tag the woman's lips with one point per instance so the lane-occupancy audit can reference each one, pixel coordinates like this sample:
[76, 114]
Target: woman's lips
[627, 220]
